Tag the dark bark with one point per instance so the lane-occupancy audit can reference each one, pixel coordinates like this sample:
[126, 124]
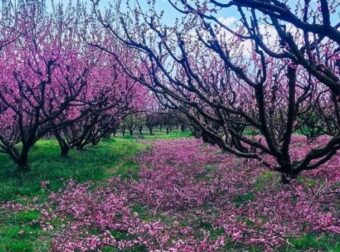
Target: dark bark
[22, 162]
[140, 129]
[64, 151]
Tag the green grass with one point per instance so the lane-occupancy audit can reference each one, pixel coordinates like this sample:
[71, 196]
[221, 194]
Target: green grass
[156, 135]
[90, 164]
[314, 242]
[264, 179]
[243, 199]
[20, 231]
[309, 242]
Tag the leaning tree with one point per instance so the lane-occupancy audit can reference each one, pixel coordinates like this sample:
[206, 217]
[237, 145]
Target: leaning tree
[273, 68]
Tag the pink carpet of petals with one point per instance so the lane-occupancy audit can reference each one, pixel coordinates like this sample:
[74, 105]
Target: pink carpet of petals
[199, 199]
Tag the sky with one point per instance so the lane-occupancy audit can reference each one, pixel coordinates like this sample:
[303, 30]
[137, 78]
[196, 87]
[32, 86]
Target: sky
[170, 14]
[228, 16]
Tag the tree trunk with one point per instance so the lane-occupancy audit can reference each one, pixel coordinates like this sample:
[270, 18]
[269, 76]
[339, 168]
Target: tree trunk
[287, 171]
[286, 178]
[95, 141]
[107, 135]
[64, 150]
[22, 161]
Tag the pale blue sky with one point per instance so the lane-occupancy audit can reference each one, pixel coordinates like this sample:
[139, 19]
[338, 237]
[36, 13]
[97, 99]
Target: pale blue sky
[170, 14]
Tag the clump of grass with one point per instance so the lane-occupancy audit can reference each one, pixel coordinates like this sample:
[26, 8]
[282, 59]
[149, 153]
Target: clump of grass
[311, 182]
[264, 179]
[127, 170]
[243, 199]
[314, 242]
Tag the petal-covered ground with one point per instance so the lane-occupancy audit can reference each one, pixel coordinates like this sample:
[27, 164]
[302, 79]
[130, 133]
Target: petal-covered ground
[188, 196]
